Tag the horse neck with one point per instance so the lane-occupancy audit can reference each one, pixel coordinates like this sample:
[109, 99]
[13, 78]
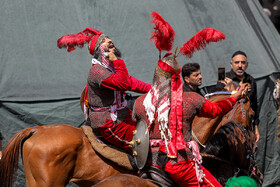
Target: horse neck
[204, 128]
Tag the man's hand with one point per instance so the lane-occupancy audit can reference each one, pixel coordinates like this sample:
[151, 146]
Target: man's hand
[111, 56]
[241, 91]
[227, 83]
[257, 133]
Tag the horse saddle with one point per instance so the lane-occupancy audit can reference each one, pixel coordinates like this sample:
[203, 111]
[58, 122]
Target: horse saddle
[158, 177]
[109, 151]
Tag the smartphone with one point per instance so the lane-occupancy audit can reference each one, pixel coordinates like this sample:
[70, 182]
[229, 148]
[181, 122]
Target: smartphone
[221, 73]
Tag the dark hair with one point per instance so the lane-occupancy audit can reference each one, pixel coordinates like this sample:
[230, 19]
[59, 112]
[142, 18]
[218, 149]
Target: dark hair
[189, 68]
[239, 53]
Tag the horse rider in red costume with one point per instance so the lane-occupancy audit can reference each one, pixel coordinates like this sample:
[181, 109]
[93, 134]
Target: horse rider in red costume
[168, 112]
[108, 79]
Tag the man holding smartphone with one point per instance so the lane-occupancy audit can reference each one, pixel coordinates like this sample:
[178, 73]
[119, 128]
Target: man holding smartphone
[238, 75]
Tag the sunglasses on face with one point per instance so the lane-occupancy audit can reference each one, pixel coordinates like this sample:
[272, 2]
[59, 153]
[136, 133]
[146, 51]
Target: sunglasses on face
[242, 62]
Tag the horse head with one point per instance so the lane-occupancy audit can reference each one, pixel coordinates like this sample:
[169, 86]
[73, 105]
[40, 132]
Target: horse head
[242, 113]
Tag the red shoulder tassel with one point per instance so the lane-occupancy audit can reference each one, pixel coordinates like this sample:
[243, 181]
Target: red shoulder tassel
[163, 34]
[200, 40]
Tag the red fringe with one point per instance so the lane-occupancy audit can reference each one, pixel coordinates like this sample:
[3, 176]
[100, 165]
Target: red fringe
[200, 40]
[163, 34]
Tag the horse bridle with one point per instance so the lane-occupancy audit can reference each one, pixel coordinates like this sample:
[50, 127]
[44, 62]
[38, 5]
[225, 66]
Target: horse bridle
[241, 102]
[249, 155]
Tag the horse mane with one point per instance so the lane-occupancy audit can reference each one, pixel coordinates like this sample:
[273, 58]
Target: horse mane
[219, 144]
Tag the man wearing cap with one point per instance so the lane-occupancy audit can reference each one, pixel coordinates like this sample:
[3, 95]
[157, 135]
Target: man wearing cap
[237, 74]
[107, 82]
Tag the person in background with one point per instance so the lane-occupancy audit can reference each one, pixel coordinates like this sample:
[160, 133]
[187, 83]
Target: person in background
[272, 10]
[192, 78]
[238, 75]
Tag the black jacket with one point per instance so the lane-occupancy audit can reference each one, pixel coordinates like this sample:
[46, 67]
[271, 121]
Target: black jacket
[252, 94]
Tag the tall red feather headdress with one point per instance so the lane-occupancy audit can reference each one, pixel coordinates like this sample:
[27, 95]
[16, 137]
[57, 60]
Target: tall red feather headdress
[199, 41]
[163, 34]
[71, 41]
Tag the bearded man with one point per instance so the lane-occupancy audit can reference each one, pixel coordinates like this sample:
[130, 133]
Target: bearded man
[238, 74]
[108, 79]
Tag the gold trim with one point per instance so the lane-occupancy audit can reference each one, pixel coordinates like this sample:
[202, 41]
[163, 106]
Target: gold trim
[210, 183]
[169, 156]
[164, 73]
[229, 102]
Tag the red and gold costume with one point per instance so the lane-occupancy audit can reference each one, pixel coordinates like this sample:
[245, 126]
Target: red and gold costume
[106, 91]
[105, 104]
[180, 163]
[169, 112]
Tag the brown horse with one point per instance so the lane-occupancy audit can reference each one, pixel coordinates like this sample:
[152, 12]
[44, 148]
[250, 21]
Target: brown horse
[55, 155]
[204, 128]
[230, 152]
[125, 180]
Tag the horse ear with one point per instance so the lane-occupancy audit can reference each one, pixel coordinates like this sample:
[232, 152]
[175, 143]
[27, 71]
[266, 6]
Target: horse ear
[200, 40]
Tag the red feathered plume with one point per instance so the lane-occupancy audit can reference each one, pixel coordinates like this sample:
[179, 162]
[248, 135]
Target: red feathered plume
[72, 40]
[163, 34]
[200, 40]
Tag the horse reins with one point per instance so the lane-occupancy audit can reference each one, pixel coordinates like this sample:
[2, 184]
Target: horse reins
[249, 155]
[197, 140]
[241, 101]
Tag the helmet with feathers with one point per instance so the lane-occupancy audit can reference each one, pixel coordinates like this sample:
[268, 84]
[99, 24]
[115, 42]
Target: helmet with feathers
[164, 35]
[169, 69]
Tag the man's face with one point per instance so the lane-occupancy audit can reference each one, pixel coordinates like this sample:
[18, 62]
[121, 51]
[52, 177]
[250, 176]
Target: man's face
[239, 65]
[195, 79]
[108, 45]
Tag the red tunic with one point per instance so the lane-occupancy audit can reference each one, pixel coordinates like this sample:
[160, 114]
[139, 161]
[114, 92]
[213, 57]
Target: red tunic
[181, 169]
[102, 84]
